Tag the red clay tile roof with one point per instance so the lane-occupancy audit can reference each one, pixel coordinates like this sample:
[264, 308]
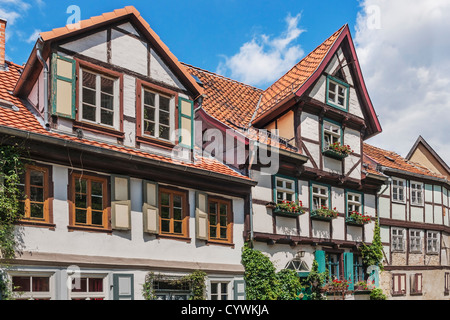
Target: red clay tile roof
[24, 120]
[292, 81]
[392, 160]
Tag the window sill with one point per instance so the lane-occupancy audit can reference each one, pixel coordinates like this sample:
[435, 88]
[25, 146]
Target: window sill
[37, 224]
[89, 229]
[155, 142]
[220, 243]
[334, 154]
[433, 253]
[98, 129]
[174, 237]
[399, 201]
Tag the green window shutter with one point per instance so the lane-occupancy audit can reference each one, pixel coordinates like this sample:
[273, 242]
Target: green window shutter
[201, 216]
[150, 211]
[123, 285]
[320, 258]
[120, 203]
[186, 123]
[63, 93]
[348, 269]
[239, 290]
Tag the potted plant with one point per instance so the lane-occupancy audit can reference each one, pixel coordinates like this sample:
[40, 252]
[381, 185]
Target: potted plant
[289, 208]
[361, 286]
[324, 213]
[337, 151]
[356, 218]
[338, 287]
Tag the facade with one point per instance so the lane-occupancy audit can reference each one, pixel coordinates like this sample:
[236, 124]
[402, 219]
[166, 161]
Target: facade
[143, 166]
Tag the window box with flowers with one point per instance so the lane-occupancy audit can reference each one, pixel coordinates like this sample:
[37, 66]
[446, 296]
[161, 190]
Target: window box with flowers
[357, 219]
[289, 209]
[337, 151]
[324, 213]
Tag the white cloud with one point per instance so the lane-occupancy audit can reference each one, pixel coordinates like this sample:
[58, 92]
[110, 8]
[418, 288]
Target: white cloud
[33, 37]
[406, 67]
[263, 60]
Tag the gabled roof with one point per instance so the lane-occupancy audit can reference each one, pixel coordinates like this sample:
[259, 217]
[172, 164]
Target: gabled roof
[392, 160]
[303, 75]
[23, 121]
[422, 142]
[128, 12]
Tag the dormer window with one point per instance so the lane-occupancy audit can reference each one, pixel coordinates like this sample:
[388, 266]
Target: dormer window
[99, 99]
[337, 93]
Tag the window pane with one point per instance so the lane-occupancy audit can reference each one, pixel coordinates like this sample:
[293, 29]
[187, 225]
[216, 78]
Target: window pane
[88, 112]
[41, 284]
[81, 201]
[80, 186]
[149, 98]
[164, 103]
[332, 87]
[79, 285]
[21, 284]
[36, 178]
[165, 225]
[149, 128]
[107, 102]
[164, 132]
[97, 218]
[223, 233]
[177, 227]
[80, 216]
[89, 80]
[107, 117]
[213, 219]
[37, 210]
[37, 194]
[223, 209]
[107, 85]
[165, 199]
[95, 285]
[89, 96]
[213, 232]
[164, 118]
[149, 113]
[177, 201]
[214, 288]
[177, 214]
[165, 212]
[213, 207]
[223, 220]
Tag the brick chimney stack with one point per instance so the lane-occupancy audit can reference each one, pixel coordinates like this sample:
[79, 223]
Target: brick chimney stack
[2, 44]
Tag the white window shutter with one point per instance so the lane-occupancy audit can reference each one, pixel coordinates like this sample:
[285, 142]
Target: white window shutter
[120, 203]
[201, 216]
[150, 211]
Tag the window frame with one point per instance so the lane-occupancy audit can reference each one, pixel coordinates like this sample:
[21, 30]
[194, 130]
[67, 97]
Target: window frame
[397, 277]
[396, 186]
[97, 126]
[90, 295]
[414, 288]
[434, 239]
[352, 202]
[141, 137]
[312, 194]
[413, 238]
[219, 293]
[230, 222]
[335, 124]
[31, 295]
[47, 219]
[402, 237]
[338, 265]
[185, 212]
[284, 190]
[338, 83]
[415, 191]
[106, 196]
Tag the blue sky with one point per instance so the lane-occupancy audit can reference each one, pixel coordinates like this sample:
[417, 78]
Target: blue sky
[404, 58]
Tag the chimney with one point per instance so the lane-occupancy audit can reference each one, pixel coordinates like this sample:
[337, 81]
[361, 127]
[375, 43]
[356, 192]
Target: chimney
[2, 44]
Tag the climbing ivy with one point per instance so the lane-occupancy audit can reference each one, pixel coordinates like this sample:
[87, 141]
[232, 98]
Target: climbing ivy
[316, 280]
[263, 283]
[372, 255]
[11, 168]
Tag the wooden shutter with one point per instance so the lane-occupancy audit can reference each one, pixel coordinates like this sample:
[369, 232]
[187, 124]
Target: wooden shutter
[63, 93]
[416, 283]
[399, 284]
[239, 290]
[201, 216]
[150, 211]
[123, 285]
[320, 258]
[120, 203]
[186, 123]
[348, 269]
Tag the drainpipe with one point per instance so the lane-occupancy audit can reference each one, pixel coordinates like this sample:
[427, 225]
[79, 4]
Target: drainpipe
[39, 47]
[252, 158]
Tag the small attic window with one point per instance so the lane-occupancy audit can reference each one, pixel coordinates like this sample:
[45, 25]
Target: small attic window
[8, 105]
[197, 80]
[389, 158]
[338, 93]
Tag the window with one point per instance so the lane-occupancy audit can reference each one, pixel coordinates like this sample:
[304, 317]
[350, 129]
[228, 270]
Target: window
[31, 287]
[416, 283]
[171, 289]
[34, 185]
[354, 202]
[157, 115]
[398, 240]
[320, 196]
[447, 283]
[398, 284]
[332, 264]
[219, 290]
[358, 272]
[415, 241]
[332, 133]
[432, 242]
[173, 212]
[90, 205]
[99, 99]
[417, 193]
[220, 220]
[398, 190]
[337, 93]
[88, 288]
[285, 189]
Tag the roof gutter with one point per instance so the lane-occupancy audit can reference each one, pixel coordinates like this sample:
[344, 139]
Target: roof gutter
[417, 175]
[93, 149]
